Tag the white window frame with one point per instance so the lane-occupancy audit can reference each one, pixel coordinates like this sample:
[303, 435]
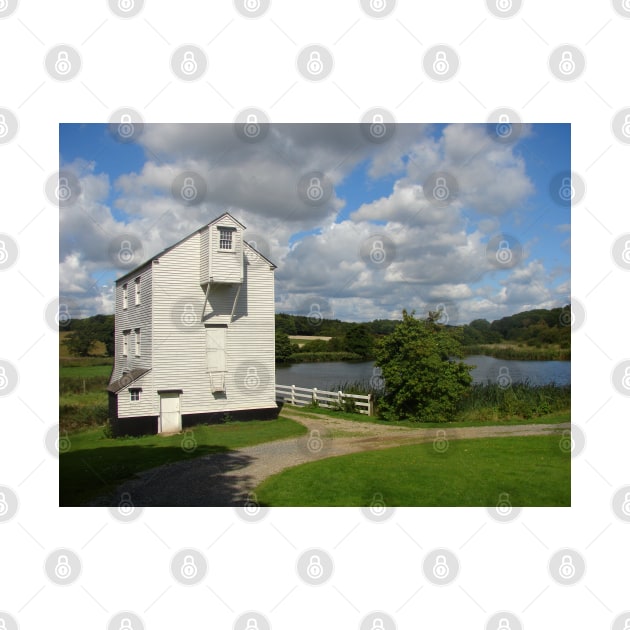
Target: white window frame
[125, 343]
[137, 283]
[137, 333]
[134, 391]
[125, 296]
[226, 237]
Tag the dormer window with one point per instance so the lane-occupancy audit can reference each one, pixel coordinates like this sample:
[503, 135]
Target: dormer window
[225, 238]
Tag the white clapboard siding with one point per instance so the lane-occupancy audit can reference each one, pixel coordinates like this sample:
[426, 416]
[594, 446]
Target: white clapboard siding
[145, 406]
[226, 265]
[131, 318]
[204, 256]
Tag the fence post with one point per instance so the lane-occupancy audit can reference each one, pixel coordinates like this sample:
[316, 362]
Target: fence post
[315, 396]
[293, 394]
[370, 404]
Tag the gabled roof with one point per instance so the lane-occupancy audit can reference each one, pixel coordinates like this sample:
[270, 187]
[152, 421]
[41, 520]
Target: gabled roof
[146, 263]
[127, 379]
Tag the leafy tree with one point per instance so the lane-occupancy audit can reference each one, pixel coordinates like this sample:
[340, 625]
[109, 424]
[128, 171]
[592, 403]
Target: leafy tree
[284, 349]
[423, 379]
[359, 340]
[79, 342]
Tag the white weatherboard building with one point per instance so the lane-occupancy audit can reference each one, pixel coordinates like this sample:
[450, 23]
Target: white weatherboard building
[195, 335]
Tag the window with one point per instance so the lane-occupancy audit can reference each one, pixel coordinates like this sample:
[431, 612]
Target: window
[225, 238]
[125, 299]
[137, 291]
[125, 341]
[137, 342]
[135, 393]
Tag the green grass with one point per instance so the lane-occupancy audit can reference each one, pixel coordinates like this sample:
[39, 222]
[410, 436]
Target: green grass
[547, 352]
[94, 465]
[562, 416]
[533, 471]
[85, 371]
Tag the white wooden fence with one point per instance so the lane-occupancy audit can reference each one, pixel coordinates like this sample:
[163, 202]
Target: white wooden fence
[301, 396]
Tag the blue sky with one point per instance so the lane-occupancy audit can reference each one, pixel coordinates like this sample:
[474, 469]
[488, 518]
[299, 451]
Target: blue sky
[435, 251]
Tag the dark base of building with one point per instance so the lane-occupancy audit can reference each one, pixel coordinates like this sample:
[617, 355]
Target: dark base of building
[148, 425]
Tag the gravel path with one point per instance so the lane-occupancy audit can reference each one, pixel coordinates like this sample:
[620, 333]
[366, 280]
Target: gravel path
[228, 478]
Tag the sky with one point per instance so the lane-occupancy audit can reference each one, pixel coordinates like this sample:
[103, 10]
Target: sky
[361, 222]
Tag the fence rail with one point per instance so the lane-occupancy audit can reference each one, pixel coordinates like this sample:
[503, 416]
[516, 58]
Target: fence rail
[301, 396]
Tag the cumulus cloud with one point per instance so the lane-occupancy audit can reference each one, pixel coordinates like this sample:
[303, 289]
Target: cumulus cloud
[435, 253]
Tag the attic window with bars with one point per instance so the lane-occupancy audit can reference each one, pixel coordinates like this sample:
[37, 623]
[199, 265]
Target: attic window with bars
[225, 238]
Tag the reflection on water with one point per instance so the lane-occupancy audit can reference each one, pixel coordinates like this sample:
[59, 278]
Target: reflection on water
[487, 370]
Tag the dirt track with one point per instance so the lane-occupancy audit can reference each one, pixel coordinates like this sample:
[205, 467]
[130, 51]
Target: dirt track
[228, 478]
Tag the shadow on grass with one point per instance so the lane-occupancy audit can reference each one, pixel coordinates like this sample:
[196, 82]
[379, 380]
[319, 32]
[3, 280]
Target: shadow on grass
[151, 475]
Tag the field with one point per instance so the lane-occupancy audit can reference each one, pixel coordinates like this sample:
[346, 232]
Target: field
[533, 471]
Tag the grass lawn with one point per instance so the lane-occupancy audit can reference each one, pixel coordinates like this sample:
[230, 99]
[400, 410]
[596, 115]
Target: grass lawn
[564, 416]
[95, 465]
[85, 371]
[534, 471]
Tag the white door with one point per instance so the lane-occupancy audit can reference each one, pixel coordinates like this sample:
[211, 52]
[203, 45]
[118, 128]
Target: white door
[170, 415]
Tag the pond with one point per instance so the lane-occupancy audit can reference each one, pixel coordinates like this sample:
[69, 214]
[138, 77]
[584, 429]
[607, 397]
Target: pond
[331, 375]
